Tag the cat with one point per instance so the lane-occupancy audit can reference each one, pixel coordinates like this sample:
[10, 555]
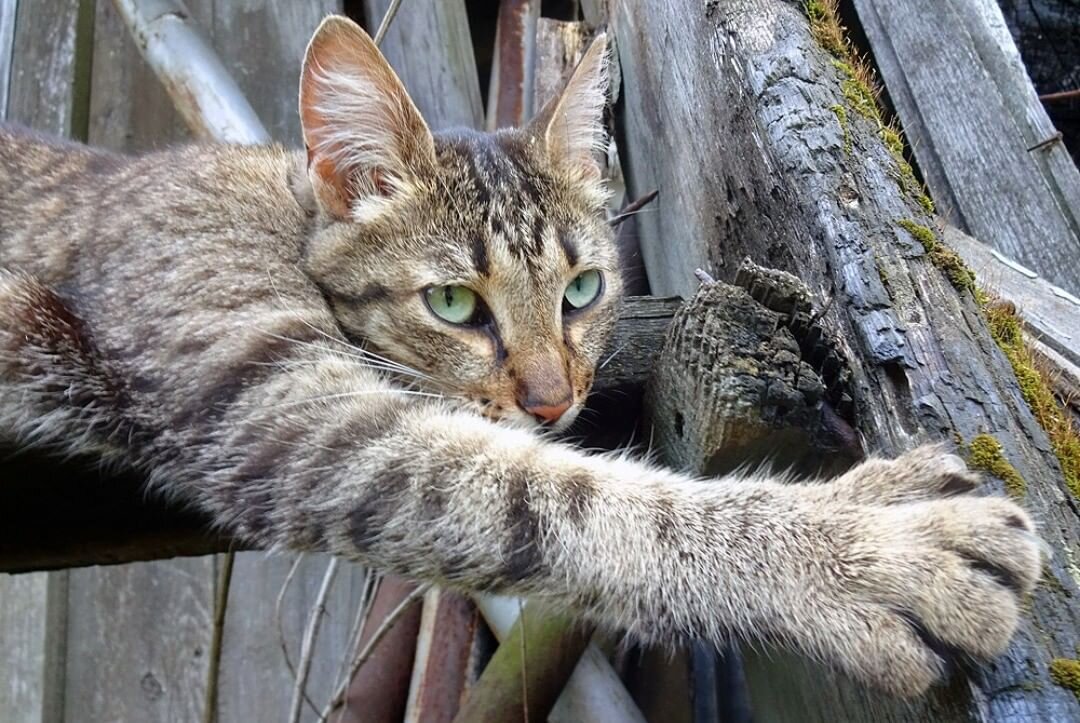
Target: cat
[359, 347]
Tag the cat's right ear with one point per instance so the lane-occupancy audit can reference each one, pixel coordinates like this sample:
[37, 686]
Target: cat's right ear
[366, 141]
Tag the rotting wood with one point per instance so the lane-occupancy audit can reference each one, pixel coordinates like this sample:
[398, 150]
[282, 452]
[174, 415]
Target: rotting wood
[510, 88]
[735, 124]
[970, 114]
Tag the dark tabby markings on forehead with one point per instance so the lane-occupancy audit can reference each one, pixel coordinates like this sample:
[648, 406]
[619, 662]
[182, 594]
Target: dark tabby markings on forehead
[569, 248]
[480, 256]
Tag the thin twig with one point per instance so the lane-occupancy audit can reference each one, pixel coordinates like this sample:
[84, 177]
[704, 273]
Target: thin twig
[386, 20]
[221, 604]
[307, 648]
[384, 627]
[1060, 95]
[633, 207]
[277, 612]
[281, 627]
[363, 612]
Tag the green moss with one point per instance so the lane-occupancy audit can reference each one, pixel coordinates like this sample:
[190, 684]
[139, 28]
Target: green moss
[986, 454]
[1066, 673]
[842, 118]
[825, 26]
[1064, 436]
[859, 90]
[941, 255]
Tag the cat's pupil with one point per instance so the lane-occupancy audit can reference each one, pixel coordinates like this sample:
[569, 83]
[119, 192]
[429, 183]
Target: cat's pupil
[448, 295]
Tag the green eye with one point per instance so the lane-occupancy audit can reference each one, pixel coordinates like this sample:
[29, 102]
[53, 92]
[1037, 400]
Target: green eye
[583, 290]
[455, 304]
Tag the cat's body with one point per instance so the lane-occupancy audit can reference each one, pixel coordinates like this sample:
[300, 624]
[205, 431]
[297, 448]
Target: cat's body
[187, 313]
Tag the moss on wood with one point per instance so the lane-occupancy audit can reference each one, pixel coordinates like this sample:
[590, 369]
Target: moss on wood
[1066, 673]
[861, 91]
[1064, 436]
[987, 455]
[941, 255]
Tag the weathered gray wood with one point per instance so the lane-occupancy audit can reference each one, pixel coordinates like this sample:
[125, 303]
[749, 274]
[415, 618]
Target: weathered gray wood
[1050, 314]
[734, 124]
[971, 114]
[42, 69]
[36, 77]
[7, 45]
[559, 47]
[430, 47]
[33, 616]
[137, 641]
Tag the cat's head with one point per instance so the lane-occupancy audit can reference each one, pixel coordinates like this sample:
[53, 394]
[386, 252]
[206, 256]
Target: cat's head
[482, 260]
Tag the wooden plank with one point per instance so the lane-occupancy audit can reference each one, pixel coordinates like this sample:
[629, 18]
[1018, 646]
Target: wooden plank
[138, 638]
[430, 47]
[784, 190]
[973, 119]
[1050, 314]
[559, 47]
[7, 46]
[441, 666]
[32, 626]
[262, 44]
[510, 89]
[42, 70]
[36, 89]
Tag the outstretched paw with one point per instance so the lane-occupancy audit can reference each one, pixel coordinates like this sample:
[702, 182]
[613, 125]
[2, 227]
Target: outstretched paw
[924, 583]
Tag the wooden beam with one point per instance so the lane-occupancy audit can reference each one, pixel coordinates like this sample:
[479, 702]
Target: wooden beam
[793, 187]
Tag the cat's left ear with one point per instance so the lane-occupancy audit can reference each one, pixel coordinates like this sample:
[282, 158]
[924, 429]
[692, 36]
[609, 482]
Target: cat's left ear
[572, 123]
[366, 142]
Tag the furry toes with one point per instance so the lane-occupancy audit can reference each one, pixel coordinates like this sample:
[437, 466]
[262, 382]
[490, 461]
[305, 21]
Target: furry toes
[946, 576]
[921, 573]
[926, 472]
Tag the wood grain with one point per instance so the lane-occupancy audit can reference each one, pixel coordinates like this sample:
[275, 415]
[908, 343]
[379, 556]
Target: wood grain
[970, 114]
[430, 47]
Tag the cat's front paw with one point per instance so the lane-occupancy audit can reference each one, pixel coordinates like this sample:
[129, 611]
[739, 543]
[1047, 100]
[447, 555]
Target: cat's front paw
[921, 584]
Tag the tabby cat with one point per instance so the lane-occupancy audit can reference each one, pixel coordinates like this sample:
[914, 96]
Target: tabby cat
[352, 348]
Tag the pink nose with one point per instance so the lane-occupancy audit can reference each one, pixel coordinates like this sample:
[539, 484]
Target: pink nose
[548, 413]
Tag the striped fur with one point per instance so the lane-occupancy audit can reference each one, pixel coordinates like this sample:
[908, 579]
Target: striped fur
[218, 318]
